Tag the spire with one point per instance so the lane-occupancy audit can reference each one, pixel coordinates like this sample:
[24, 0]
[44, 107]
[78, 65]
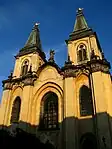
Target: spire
[33, 44]
[80, 23]
[81, 28]
[34, 38]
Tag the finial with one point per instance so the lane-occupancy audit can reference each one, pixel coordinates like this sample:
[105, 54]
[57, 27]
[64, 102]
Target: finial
[80, 10]
[36, 25]
[52, 53]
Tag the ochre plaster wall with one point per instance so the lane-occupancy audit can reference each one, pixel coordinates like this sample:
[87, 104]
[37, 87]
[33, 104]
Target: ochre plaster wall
[84, 123]
[67, 90]
[31, 96]
[34, 59]
[102, 101]
[90, 43]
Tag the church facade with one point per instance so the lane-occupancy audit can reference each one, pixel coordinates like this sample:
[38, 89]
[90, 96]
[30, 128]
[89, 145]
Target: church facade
[71, 107]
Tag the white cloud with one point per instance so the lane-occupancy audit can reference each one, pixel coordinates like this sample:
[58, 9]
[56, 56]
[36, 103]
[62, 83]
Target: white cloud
[60, 47]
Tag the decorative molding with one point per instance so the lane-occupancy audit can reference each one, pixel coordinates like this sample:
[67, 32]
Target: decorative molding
[29, 81]
[99, 67]
[80, 34]
[69, 73]
[76, 72]
[81, 41]
[83, 71]
[31, 49]
[23, 81]
[92, 66]
[69, 70]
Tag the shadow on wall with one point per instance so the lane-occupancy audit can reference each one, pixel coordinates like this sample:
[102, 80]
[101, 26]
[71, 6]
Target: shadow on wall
[17, 138]
[90, 133]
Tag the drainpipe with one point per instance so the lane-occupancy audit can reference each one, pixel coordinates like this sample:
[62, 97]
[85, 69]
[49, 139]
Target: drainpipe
[94, 104]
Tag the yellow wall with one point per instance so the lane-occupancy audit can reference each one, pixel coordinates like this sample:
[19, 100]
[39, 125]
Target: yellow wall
[90, 43]
[34, 60]
[72, 125]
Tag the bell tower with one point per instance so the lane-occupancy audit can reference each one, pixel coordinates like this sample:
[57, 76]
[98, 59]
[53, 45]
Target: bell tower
[28, 60]
[82, 41]
[88, 90]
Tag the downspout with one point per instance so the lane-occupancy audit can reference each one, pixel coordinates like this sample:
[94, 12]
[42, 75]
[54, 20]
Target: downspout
[94, 105]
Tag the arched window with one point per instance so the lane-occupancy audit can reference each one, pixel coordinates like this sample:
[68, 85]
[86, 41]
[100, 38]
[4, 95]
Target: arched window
[49, 111]
[81, 53]
[24, 68]
[85, 98]
[15, 110]
[88, 141]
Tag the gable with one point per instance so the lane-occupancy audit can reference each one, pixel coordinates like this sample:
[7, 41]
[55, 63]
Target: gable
[48, 72]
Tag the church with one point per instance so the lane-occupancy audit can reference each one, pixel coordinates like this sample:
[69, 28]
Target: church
[71, 107]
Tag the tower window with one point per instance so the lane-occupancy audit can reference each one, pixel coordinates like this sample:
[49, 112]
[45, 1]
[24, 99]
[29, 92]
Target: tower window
[81, 53]
[24, 68]
[49, 111]
[86, 106]
[16, 110]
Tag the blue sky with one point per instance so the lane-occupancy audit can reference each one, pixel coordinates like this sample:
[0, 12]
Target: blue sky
[57, 18]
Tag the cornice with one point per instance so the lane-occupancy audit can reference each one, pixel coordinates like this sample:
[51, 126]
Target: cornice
[25, 80]
[31, 49]
[92, 66]
[69, 70]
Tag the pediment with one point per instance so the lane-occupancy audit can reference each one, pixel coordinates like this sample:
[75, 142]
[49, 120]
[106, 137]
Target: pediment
[49, 72]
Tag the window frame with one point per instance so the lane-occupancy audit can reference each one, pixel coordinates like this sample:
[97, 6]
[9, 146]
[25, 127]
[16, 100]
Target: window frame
[15, 111]
[24, 67]
[51, 118]
[85, 102]
[82, 53]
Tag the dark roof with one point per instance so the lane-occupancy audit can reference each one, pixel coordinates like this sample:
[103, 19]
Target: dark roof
[33, 44]
[80, 23]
